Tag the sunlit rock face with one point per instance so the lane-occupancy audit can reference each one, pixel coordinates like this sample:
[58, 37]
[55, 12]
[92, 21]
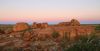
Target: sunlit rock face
[21, 26]
[64, 24]
[73, 22]
[72, 30]
[34, 25]
[43, 33]
[40, 25]
[27, 36]
[44, 25]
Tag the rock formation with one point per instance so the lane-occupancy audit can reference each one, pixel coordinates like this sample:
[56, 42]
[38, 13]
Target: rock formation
[43, 33]
[71, 29]
[21, 26]
[40, 25]
[73, 32]
[40, 36]
[44, 25]
[64, 24]
[34, 25]
[74, 22]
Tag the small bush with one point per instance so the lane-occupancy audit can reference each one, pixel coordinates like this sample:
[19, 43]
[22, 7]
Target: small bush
[91, 43]
[55, 34]
[64, 41]
[97, 27]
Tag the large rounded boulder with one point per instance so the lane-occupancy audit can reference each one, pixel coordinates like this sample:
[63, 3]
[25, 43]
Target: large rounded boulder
[21, 26]
[74, 22]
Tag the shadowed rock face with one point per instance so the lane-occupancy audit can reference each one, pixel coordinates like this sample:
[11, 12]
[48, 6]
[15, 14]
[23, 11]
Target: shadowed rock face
[1, 31]
[21, 26]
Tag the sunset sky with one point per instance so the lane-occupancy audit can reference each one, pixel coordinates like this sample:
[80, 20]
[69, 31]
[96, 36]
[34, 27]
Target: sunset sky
[51, 11]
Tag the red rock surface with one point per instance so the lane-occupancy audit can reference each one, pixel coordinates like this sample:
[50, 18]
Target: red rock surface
[73, 22]
[40, 25]
[40, 35]
[71, 29]
[21, 26]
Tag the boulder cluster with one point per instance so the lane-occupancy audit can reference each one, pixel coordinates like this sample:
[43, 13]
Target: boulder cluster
[72, 29]
[24, 35]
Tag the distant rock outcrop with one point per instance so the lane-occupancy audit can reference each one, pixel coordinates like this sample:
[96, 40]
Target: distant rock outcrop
[64, 24]
[73, 22]
[21, 26]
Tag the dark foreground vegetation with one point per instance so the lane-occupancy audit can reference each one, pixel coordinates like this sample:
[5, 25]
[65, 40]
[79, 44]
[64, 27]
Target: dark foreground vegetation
[85, 43]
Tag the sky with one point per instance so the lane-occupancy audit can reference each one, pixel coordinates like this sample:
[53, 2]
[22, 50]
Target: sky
[51, 11]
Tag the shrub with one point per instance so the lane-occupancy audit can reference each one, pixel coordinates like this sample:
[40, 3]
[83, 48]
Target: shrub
[86, 43]
[64, 41]
[55, 34]
[97, 27]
